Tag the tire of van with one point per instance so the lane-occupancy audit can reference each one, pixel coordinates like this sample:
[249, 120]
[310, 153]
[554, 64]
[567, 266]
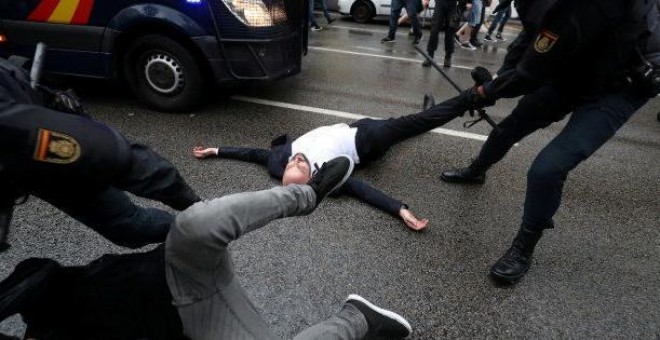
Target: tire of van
[362, 12]
[163, 74]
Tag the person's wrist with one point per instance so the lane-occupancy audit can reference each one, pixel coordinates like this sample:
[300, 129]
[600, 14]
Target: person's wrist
[216, 150]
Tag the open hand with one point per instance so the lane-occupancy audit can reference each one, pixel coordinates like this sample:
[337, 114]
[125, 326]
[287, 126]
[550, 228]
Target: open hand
[411, 221]
[201, 152]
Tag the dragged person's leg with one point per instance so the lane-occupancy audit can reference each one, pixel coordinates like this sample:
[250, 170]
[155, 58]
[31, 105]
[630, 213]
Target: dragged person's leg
[375, 137]
[198, 265]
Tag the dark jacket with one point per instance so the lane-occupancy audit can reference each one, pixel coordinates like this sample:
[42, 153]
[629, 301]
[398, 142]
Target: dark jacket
[585, 47]
[277, 157]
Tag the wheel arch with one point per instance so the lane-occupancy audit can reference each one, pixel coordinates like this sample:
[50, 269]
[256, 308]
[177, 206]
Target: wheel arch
[136, 21]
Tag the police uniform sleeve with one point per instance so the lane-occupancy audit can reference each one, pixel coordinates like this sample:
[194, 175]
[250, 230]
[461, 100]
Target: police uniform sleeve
[565, 30]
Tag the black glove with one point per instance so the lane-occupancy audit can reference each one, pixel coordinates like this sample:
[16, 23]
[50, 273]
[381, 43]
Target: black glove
[474, 99]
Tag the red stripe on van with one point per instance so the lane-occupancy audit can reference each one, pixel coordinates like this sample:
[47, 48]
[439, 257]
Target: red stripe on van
[84, 10]
[43, 10]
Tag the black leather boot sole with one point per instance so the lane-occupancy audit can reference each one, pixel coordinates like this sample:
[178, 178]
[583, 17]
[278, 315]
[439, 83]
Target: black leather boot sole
[507, 279]
[462, 176]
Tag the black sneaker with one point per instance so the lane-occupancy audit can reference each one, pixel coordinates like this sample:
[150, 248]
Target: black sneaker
[447, 62]
[382, 323]
[489, 38]
[388, 40]
[500, 37]
[476, 43]
[426, 63]
[418, 39]
[332, 175]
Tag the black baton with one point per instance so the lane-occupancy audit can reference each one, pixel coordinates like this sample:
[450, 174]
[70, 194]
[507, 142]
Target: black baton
[482, 113]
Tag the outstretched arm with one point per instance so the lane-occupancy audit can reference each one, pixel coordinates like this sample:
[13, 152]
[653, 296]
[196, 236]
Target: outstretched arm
[380, 200]
[252, 155]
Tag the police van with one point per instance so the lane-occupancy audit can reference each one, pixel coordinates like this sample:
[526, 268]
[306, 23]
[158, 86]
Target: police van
[166, 51]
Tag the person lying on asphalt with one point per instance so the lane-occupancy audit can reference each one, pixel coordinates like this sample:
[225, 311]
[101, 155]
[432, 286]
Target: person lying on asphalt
[364, 141]
[186, 288]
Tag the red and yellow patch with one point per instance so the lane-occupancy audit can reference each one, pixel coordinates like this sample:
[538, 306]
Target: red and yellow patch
[544, 41]
[54, 147]
[76, 12]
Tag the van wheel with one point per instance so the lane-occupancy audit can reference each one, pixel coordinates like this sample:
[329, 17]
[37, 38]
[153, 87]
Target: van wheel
[163, 73]
[361, 12]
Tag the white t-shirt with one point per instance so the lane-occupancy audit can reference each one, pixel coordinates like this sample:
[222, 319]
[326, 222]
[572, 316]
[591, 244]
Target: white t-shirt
[325, 143]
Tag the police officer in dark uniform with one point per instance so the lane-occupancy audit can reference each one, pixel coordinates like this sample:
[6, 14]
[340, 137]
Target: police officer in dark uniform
[597, 59]
[446, 17]
[81, 166]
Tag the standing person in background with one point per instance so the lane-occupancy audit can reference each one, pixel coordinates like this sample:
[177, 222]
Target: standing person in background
[313, 24]
[503, 13]
[474, 18]
[474, 35]
[421, 5]
[411, 9]
[324, 8]
[446, 17]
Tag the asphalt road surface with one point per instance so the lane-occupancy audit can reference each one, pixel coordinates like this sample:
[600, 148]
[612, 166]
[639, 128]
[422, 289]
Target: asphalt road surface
[597, 275]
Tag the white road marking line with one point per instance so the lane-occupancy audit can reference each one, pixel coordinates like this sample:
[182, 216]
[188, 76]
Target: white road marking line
[419, 61]
[348, 115]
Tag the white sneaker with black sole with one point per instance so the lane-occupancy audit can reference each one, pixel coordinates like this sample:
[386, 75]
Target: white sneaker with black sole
[382, 322]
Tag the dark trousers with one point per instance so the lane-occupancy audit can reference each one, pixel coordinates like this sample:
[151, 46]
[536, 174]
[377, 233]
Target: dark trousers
[111, 213]
[445, 18]
[114, 297]
[593, 122]
[411, 9]
[374, 136]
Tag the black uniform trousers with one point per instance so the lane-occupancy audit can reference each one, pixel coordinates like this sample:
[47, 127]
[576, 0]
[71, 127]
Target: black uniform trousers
[445, 18]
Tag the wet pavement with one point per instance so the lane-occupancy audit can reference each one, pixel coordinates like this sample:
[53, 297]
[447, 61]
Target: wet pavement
[597, 275]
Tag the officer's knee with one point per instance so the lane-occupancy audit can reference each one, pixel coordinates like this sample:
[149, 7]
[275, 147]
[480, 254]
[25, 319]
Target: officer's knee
[546, 171]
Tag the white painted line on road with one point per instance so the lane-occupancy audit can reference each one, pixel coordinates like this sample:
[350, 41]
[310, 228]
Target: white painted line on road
[325, 49]
[348, 115]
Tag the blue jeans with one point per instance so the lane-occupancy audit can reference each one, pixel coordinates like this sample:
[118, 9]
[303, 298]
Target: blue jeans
[411, 9]
[474, 18]
[312, 20]
[500, 19]
[594, 121]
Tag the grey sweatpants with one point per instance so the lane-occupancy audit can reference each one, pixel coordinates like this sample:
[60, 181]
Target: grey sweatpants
[200, 274]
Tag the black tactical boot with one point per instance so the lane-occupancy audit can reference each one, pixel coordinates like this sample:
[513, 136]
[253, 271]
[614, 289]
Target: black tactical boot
[513, 265]
[473, 174]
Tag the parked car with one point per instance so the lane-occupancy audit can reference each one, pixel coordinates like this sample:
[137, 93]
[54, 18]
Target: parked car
[364, 10]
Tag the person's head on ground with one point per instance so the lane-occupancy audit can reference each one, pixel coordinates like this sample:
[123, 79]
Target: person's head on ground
[297, 170]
